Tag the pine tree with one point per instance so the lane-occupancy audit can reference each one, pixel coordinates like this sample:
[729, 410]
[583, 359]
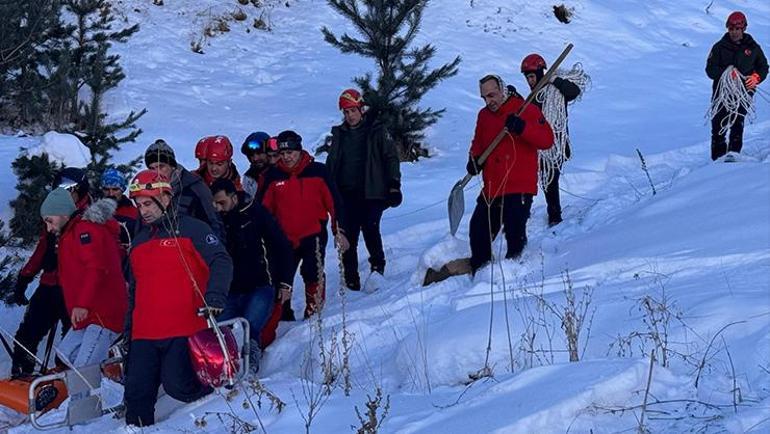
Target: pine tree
[387, 30]
[35, 175]
[99, 71]
[8, 265]
[30, 31]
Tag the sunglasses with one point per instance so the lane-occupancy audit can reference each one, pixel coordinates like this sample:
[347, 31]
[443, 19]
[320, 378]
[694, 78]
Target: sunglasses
[254, 145]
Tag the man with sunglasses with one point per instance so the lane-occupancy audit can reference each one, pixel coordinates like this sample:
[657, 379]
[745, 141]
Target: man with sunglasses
[364, 166]
[46, 308]
[254, 149]
[740, 50]
[303, 200]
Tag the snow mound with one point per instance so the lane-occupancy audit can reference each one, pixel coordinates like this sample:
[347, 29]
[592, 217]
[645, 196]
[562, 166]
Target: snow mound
[65, 149]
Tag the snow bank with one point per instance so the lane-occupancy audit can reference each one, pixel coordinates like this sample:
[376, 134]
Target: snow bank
[65, 149]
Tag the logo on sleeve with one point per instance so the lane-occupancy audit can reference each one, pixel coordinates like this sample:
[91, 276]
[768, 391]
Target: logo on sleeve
[85, 238]
[212, 240]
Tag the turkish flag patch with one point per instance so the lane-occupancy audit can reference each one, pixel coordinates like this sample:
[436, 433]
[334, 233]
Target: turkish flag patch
[85, 238]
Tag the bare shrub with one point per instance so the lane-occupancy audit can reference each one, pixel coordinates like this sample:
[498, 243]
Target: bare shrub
[376, 412]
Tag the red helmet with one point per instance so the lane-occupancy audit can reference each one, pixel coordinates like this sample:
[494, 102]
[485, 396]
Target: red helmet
[271, 145]
[350, 98]
[208, 360]
[149, 183]
[736, 19]
[218, 148]
[200, 149]
[532, 62]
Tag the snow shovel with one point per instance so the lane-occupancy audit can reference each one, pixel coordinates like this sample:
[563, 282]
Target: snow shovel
[456, 202]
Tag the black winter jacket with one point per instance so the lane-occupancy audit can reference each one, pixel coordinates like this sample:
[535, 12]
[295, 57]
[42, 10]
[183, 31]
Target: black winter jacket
[262, 255]
[382, 170]
[192, 197]
[746, 56]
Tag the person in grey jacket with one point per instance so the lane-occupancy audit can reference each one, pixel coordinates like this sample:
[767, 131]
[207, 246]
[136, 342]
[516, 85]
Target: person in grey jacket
[191, 195]
[364, 166]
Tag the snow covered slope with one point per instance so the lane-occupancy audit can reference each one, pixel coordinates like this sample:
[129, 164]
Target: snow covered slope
[700, 246]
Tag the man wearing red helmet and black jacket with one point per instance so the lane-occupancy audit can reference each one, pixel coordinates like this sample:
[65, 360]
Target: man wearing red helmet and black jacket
[533, 67]
[510, 172]
[740, 50]
[219, 161]
[178, 268]
[364, 166]
[302, 199]
[46, 307]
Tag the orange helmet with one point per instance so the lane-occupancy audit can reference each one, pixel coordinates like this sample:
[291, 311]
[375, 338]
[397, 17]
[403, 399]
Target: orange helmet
[351, 98]
[218, 148]
[148, 183]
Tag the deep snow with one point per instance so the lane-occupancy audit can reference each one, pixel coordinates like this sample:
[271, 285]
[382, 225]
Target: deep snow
[702, 242]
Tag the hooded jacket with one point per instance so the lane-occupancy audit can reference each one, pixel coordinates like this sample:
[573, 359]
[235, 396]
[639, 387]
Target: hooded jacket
[512, 167]
[193, 198]
[89, 263]
[302, 198]
[746, 56]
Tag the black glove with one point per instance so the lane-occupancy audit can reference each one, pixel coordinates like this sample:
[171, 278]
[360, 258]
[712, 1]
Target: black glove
[515, 125]
[19, 297]
[473, 167]
[394, 198]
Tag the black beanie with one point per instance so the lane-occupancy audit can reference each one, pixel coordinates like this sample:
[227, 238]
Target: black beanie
[289, 141]
[159, 152]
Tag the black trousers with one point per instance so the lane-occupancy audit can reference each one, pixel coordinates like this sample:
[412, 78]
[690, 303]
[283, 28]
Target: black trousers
[362, 216]
[719, 146]
[510, 212]
[552, 198]
[152, 363]
[46, 308]
[309, 257]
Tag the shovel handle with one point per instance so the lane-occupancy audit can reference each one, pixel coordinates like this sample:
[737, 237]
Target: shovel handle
[540, 85]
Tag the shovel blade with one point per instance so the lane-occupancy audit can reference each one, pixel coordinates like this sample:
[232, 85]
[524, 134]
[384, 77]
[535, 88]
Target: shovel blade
[456, 206]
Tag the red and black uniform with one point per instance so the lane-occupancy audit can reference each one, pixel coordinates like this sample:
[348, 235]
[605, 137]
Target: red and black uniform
[303, 200]
[46, 306]
[232, 175]
[175, 264]
[747, 57]
[90, 269]
[510, 178]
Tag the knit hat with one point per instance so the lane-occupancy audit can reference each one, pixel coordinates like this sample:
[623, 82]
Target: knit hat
[58, 202]
[111, 178]
[159, 152]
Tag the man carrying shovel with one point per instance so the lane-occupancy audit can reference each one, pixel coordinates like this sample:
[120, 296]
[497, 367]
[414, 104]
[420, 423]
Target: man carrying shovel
[509, 173]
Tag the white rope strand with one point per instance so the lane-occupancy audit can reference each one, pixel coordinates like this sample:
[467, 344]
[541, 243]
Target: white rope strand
[555, 112]
[732, 96]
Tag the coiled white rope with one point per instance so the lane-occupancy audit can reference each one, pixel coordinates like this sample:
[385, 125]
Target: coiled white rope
[555, 112]
[732, 96]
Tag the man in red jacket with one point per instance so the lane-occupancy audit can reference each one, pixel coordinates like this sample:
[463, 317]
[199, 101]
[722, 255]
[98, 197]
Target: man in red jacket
[46, 306]
[89, 265]
[510, 172]
[113, 185]
[178, 269]
[302, 199]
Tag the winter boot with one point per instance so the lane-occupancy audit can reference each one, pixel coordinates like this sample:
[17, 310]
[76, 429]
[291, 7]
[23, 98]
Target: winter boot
[718, 147]
[315, 294]
[374, 282]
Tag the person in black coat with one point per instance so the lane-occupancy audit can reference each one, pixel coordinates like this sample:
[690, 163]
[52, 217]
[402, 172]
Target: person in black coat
[262, 260]
[740, 50]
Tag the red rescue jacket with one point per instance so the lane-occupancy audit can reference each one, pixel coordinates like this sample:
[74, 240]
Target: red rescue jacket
[301, 198]
[512, 166]
[90, 269]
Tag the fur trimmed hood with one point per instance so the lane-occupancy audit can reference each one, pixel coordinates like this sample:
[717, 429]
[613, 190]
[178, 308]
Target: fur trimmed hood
[100, 211]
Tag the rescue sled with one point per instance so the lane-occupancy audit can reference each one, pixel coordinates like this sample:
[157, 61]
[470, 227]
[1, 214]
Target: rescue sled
[35, 396]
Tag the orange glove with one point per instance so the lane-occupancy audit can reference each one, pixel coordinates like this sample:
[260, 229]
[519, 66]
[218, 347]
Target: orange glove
[752, 81]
